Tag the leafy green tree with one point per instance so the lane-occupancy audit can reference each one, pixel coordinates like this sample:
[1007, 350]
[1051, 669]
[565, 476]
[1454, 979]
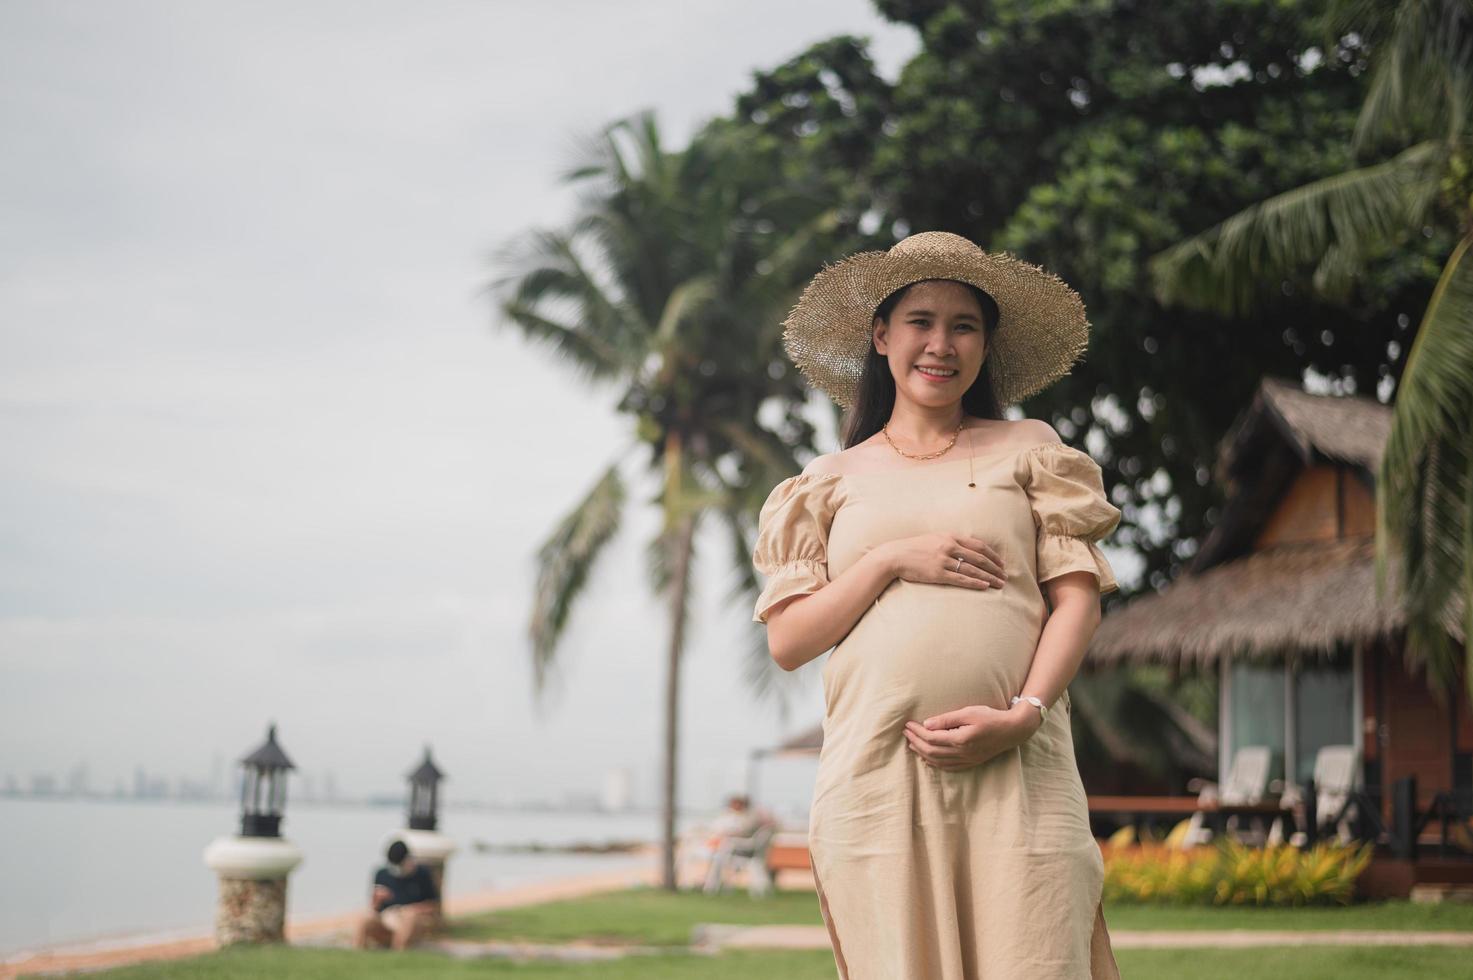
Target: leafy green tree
[670, 284]
[1088, 135]
[1411, 180]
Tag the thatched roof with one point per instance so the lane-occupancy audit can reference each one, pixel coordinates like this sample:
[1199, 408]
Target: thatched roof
[1283, 430]
[1348, 428]
[1304, 599]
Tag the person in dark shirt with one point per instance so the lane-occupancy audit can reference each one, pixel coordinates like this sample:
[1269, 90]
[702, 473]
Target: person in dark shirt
[405, 902]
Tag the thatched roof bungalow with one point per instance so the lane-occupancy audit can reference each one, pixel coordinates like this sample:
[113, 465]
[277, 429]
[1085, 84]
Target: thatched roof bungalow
[1281, 601]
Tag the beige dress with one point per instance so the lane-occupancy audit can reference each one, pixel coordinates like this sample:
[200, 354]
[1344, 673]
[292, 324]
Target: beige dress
[927, 874]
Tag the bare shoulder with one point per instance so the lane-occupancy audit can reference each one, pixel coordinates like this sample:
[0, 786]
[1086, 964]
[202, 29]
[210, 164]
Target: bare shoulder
[1009, 434]
[854, 459]
[828, 463]
[1032, 432]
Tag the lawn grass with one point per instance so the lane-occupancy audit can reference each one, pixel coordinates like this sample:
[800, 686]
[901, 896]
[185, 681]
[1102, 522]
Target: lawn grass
[1301, 963]
[651, 916]
[1318, 963]
[253, 963]
[1400, 914]
[645, 915]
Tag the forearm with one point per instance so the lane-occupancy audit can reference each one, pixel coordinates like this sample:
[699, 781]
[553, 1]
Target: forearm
[803, 628]
[1061, 647]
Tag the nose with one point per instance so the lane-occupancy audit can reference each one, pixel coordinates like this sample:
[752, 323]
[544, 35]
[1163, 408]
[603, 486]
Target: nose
[940, 343]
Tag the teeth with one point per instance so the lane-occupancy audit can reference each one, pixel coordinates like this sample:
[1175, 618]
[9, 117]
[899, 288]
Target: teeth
[934, 373]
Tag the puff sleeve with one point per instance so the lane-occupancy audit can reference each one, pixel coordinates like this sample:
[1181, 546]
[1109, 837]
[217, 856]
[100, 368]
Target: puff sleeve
[1071, 513]
[791, 549]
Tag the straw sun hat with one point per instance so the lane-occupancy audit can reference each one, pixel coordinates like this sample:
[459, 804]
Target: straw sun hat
[1041, 330]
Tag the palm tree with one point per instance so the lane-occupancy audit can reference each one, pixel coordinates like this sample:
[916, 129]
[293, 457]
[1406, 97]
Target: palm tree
[1418, 101]
[671, 283]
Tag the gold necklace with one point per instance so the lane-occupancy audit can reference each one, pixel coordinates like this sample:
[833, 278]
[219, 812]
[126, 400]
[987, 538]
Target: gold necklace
[885, 428]
[924, 456]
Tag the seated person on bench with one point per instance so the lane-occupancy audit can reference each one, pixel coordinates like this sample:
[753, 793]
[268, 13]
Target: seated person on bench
[405, 902]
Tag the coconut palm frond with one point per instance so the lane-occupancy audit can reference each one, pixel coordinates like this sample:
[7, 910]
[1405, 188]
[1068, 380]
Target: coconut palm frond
[794, 252]
[593, 359]
[564, 563]
[545, 268]
[658, 553]
[746, 586]
[600, 158]
[762, 447]
[1425, 496]
[654, 162]
[1398, 63]
[1335, 276]
[768, 683]
[1443, 588]
[1420, 79]
[1224, 268]
[783, 274]
[684, 300]
[764, 678]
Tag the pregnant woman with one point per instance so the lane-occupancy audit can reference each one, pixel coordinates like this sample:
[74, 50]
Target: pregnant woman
[949, 558]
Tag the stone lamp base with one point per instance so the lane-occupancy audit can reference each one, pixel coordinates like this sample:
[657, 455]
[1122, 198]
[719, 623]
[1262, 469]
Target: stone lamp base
[253, 873]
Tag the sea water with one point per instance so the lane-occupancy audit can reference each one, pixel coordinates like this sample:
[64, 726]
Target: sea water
[80, 870]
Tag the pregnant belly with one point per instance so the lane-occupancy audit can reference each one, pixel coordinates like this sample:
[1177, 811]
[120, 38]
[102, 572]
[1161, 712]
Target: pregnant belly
[922, 649]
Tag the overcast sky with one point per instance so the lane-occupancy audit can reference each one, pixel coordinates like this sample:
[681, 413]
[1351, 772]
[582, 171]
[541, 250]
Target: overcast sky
[265, 456]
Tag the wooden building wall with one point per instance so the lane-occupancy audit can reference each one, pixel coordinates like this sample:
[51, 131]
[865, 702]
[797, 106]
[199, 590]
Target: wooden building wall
[1324, 503]
[1410, 731]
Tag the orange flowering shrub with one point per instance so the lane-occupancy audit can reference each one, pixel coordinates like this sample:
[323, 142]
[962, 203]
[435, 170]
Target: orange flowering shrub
[1230, 873]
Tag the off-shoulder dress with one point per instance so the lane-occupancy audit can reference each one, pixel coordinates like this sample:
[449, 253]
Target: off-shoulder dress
[923, 873]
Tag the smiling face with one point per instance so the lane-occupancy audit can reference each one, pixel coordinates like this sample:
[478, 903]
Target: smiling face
[936, 325]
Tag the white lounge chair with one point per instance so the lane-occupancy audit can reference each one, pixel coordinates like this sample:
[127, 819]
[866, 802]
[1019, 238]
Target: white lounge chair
[1335, 767]
[743, 852]
[1246, 782]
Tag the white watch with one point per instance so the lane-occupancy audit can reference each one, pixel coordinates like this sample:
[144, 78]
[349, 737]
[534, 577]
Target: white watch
[1042, 710]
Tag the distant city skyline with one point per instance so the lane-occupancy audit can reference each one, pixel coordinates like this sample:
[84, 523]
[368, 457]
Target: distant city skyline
[616, 794]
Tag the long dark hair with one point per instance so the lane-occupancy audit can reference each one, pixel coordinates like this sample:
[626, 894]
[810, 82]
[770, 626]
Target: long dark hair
[874, 399]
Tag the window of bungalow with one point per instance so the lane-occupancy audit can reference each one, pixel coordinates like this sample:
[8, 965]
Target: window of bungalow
[1321, 695]
[1324, 700]
[1258, 701]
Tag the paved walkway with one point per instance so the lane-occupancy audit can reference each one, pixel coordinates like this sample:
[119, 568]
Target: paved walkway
[716, 936]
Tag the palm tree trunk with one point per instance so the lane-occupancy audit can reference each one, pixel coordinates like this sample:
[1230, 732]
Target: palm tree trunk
[680, 543]
[679, 582]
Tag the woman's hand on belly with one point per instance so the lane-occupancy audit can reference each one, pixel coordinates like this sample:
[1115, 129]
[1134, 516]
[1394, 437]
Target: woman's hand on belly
[969, 736]
[946, 559]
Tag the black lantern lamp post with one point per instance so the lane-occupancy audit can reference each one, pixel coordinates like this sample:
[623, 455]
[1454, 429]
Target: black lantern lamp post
[263, 791]
[254, 865]
[424, 802]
